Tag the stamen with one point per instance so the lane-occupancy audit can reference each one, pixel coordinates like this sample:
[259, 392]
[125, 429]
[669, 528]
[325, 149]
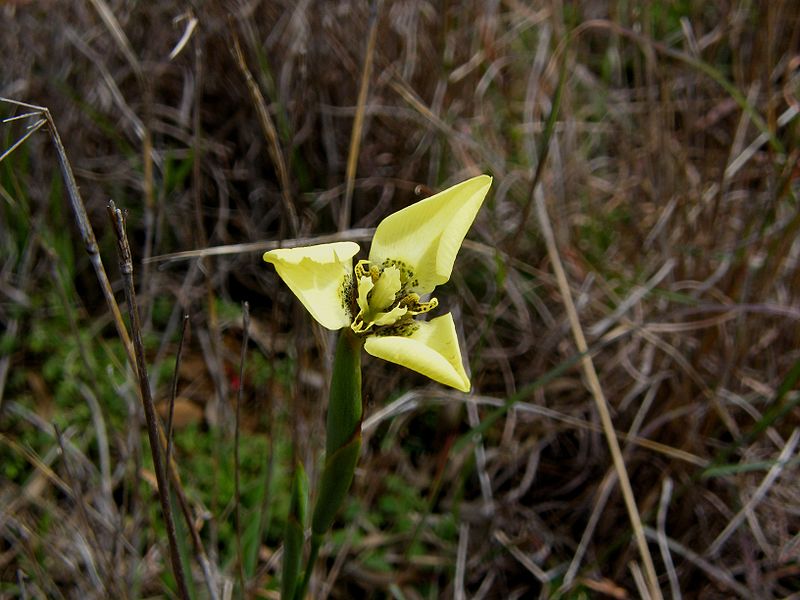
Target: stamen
[410, 300]
[384, 300]
[423, 307]
[415, 307]
[362, 268]
[375, 273]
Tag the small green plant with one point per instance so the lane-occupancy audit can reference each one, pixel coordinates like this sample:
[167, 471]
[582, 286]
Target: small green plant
[375, 306]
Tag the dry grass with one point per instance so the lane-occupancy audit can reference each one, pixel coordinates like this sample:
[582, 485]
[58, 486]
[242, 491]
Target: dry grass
[669, 178]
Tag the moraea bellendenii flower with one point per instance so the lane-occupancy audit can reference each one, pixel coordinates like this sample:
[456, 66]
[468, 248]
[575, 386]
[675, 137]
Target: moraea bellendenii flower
[381, 299]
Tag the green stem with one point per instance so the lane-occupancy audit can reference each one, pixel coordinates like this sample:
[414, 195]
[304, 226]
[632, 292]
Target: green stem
[342, 444]
[316, 542]
[344, 406]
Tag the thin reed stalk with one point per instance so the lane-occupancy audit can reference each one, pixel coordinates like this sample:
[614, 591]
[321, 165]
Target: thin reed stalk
[126, 269]
[84, 226]
[597, 393]
[358, 123]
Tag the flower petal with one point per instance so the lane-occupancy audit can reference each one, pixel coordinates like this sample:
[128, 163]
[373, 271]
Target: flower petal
[427, 235]
[432, 349]
[318, 275]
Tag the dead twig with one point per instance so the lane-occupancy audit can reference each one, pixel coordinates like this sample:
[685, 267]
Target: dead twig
[174, 392]
[597, 393]
[358, 122]
[126, 268]
[84, 226]
[271, 134]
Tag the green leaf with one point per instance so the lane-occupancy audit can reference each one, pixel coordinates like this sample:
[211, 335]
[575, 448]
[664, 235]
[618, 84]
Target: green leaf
[337, 475]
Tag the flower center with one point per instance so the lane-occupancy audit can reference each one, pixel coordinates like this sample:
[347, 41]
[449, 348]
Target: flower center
[383, 298]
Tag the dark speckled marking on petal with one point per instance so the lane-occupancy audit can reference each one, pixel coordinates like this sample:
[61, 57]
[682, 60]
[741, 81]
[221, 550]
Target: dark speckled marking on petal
[403, 328]
[347, 294]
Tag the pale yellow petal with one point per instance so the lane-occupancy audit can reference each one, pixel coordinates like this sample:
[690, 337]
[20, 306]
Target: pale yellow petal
[426, 236]
[317, 275]
[432, 349]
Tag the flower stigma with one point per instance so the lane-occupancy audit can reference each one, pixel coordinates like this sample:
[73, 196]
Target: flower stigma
[384, 302]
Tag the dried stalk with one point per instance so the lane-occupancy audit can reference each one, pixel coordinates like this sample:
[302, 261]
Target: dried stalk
[126, 268]
[271, 134]
[174, 392]
[597, 393]
[358, 122]
[84, 226]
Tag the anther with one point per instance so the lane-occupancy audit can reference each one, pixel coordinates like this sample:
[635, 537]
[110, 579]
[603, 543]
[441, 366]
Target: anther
[375, 273]
[362, 268]
[410, 300]
[423, 307]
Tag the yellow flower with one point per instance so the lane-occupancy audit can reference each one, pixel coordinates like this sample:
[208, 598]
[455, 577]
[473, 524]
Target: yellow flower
[412, 252]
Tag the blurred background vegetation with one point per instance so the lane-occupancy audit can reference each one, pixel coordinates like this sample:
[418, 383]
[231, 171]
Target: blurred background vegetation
[663, 139]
